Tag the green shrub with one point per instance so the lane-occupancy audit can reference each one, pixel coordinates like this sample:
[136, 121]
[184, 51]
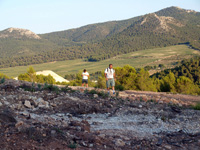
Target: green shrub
[51, 87]
[66, 89]
[93, 92]
[197, 106]
[72, 145]
[39, 87]
[119, 87]
[2, 80]
[103, 94]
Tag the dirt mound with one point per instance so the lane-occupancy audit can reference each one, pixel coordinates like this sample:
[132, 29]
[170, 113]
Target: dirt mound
[53, 74]
[37, 118]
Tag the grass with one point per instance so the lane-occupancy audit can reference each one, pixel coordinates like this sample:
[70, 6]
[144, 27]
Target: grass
[165, 55]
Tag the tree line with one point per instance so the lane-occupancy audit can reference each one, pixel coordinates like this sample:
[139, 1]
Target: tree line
[181, 79]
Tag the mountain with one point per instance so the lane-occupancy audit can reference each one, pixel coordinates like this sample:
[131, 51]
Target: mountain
[88, 33]
[153, 30]
[170, 26]
[22, 42]
[18, 33]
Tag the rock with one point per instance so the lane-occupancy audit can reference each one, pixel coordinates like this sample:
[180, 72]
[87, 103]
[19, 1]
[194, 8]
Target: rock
[19, 125]
[159, 142]
[25, 113]
[140, 106]
[53, 132]
[53, 105]
[85, 126]
[95, 96]
[176, 109]
[6, 103]
[27, 104]
[44, 105]
[74, 98]
[91, 145]
[180, 105]
[41, 103]
[119, 143]
[7, 118]
[168, 147]
[38, 101]
[102, 135]
[84, 144]
[1, 104]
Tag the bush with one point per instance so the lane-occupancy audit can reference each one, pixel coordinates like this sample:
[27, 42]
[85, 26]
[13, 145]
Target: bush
[119, 87]
[103, 94]
[2, 80]
[3, 76]
[66, 89]
[72, 145]
[93, 92]
[51, 87]
[197, 106]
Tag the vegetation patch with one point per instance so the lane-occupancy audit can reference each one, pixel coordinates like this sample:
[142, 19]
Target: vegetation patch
[197, 106]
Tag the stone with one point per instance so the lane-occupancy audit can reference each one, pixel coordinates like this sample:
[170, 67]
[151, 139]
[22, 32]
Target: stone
[19, 125]
[74, 98]
[1, 104]
[25, 113]
[6, 103]
[159, 142]
[44, 105]
[84, 144]
[119, 143]
[140, 106]
[91, 145]
[53, 132]
[7, 118]
[39, 101]
[180, 105]
[168, 147]
[102, 135]
[27, 104]
[95, 96]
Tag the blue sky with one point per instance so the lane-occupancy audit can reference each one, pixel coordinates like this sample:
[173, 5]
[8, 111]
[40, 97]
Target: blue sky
[44, 16]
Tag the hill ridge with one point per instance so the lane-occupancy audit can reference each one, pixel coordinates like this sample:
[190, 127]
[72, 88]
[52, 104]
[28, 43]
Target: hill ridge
[167, 27]
[18, 33]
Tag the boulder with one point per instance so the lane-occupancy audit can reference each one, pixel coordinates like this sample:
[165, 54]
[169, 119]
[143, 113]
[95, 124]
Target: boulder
[95, 96]
[27, 104]
[119, 142]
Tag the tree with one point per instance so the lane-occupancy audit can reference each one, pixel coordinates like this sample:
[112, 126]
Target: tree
[126, 76]
[32, 74]
[144, 83]
[186, 86]
[168, 83]
[161, 66]
[3, 76]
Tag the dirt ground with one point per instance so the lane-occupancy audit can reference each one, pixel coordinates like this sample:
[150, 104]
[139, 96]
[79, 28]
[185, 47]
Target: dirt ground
[32, 117]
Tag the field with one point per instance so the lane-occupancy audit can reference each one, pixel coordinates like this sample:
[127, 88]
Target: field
[167, 56]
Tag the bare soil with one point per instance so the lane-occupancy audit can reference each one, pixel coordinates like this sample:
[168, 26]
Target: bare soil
[47, 119]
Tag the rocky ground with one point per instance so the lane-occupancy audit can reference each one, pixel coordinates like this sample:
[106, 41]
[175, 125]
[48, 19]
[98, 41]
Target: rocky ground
[34, 118]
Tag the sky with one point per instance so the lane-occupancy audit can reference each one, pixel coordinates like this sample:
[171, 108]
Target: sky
[44, 16]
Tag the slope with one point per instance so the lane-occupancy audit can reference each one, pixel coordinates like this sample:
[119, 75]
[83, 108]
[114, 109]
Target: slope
[170, 26]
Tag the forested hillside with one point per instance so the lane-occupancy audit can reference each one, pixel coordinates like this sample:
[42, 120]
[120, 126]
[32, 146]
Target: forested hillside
[188, 68]
[170, 26]
[89, 33]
